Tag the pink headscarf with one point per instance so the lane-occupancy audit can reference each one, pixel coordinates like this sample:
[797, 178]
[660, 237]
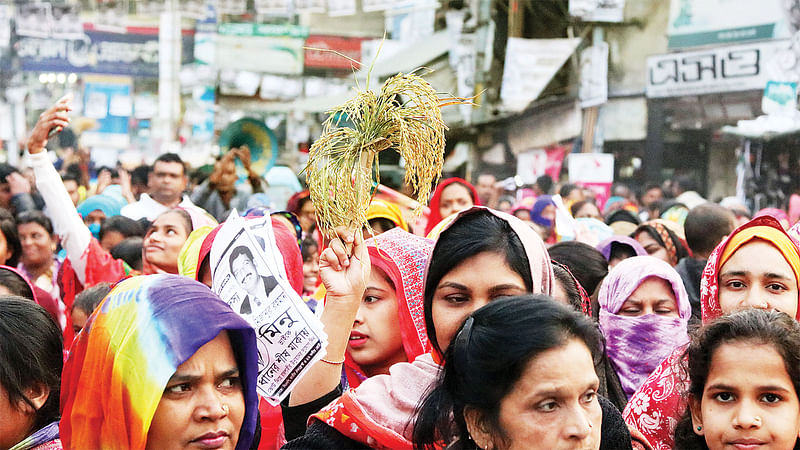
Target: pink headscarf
[636, 345]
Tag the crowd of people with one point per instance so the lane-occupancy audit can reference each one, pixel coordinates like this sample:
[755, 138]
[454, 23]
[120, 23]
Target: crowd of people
[536, 318]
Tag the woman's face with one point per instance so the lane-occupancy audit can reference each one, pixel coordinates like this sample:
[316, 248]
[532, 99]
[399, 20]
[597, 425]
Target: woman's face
[37, 244]
[5, 251]
[757, 276]
[110, 239]
[588, 210]
[740, 410]
[375, 341]
[652, 246]
[164, 240]
[79, 318]
[307, 216]
[454, 198]
[549, 213]
[463, 290]
[311, 272]
[203, 403]
[552, 406]
[17, 420]
[653, 296]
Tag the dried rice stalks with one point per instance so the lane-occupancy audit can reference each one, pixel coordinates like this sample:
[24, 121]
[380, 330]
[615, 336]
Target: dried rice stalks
[343, 167]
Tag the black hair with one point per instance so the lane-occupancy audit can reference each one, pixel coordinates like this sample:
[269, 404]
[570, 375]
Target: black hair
[31, 353]
[185, 218]
[70, 177]
[567, 189]
[139, 175]
[88, 300]
[706, 225]
[477, 232]
[37, 217]
[125, 226]
[306, 249]
[545, 183]
[622, 215]
[381, 223]
[586, 262]
[111, 171]
[649, 187]
[485, 361]
[8, 226]
[239, 251]
[578, 205]
[130, 251]
[766, 327]
[16, 284]
[169, 158]
[685, 183]
[5, 171]
[569, 285]
[681, 251]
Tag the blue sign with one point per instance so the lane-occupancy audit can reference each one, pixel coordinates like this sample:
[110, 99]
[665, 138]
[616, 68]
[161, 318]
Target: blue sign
[97, 52]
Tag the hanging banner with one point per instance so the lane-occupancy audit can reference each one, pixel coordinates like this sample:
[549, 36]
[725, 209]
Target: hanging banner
[530, 65]
[594, 171]
[325, 52]
[535, 163]
[697, 23]
[108, 101]
[130, 54]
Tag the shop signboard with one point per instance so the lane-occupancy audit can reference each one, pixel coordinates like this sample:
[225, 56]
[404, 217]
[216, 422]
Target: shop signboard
[261, 48]
[715, 70]
[130, 54]
[698, 23]
[325, 52]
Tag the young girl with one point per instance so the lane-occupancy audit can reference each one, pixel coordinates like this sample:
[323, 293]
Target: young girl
[745, 375]
[757, 266]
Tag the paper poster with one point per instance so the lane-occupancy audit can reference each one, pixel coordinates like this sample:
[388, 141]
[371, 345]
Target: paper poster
[249, 275]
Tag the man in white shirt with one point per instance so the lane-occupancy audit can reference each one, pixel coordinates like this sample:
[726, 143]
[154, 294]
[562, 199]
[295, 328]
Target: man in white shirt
[165, 184]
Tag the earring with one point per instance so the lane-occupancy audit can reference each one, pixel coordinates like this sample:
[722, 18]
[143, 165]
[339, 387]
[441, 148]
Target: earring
[699, 428]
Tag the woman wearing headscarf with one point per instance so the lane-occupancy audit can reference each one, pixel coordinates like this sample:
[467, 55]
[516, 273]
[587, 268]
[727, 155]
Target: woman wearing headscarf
[451, 196]
[662, 239]
[644, 312]
[757, 266]
[617, 248]
[397, 259]
[161, 363]
[377, 413]
[383, 215]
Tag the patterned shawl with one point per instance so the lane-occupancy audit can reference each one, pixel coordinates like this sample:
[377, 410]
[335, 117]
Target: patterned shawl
[132, 344]
[656, 407]
[636, 345]
[402, 256]
[379, 412]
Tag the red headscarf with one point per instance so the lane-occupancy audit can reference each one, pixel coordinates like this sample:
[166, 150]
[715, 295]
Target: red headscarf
[402, 257]
[655, 408]
[435, 217]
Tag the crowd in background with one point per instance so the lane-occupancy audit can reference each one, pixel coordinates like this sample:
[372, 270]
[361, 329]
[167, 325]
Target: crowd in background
[533, 318]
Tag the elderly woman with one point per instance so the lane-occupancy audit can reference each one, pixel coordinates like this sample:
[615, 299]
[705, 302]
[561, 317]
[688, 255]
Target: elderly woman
[161, 363]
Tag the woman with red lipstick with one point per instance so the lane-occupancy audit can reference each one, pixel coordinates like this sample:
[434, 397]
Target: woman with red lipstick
[745, 375]
[389, 326]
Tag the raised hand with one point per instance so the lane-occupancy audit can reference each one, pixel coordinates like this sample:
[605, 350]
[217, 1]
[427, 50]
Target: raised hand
[53, 120]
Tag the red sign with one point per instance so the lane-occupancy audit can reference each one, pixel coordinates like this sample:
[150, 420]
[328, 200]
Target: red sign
[324, 58]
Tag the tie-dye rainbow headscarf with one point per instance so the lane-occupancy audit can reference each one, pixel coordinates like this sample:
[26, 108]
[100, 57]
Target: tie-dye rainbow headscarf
[132, 344]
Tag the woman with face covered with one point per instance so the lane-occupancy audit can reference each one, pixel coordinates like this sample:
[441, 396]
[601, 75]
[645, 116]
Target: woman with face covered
[757, 266]
[644, 312]
[161, 363]
[378, 413]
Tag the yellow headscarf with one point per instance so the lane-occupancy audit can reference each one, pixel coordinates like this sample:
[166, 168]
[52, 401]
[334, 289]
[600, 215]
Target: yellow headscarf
[769, 234]
[189, 257]
[381, 209]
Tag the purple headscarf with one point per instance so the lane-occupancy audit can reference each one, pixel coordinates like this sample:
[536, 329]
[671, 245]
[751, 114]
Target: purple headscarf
[637, 345]
[542, 202]
[606, 246]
